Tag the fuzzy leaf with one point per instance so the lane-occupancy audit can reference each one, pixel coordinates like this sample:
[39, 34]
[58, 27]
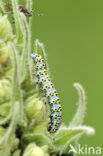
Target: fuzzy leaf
[39, 48]
[5, 119]
[5, 90]
[65, 134]
[16, 153]
[16, 90]
[2, 131]
[80, 114]
[4, 109]
[38, 138]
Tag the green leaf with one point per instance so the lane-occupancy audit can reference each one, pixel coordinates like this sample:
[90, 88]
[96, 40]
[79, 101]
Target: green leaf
[80, 114]
[16, 153]
[16, 90]
[39, 48]
[5, 119]
[81, 109]
[4, 109]
[2, 132]
[38, 138]
[66, 135]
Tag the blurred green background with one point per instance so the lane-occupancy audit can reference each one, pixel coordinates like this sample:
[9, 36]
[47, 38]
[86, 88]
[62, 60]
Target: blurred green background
[72, 32]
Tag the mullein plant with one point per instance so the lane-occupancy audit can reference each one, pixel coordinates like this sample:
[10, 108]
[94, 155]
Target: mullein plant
[24, 111]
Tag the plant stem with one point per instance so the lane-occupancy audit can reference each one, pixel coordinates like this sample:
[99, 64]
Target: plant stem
[29, 6]
[19, 29]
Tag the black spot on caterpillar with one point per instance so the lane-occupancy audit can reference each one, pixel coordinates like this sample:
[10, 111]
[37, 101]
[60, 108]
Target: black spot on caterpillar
[49, 90]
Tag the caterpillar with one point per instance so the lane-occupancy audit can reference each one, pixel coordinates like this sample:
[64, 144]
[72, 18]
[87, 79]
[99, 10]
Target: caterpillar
[49, 91]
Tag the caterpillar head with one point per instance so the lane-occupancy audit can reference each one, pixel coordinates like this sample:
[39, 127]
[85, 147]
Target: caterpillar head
[33, 56]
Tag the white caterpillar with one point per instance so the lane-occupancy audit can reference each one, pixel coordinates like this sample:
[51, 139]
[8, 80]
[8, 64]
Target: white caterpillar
[49, 90]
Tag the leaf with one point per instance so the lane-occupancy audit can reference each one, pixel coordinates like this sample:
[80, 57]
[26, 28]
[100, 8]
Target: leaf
[66, 135]
[39, 48]
[4, 120]
[16, 90]
[17, 153]
[38, 138]
[80, 114]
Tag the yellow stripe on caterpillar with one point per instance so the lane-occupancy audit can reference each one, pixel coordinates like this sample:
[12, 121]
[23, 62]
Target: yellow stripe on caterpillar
[52, 85]
[54, 102]
[45, 72]
[47, 87]
[43, 80]
[48, 78]
[56, 93]
[39, 67]
[42, 59]
[44, 67]
[58, 101]
[50, 95]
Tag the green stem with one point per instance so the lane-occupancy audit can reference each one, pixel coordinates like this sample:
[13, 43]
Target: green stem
[29, 6]
[25, 72]
[19, 29]
[7, 141]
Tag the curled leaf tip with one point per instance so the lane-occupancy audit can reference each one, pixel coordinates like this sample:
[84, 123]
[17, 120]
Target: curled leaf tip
[80, 114]
[39, 48]
[88, 130]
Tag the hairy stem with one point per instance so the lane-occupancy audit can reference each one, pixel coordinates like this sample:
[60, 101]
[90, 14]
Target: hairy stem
[7, 141]
[25, 74]
[19, 29]
[29, 6]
